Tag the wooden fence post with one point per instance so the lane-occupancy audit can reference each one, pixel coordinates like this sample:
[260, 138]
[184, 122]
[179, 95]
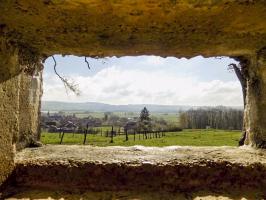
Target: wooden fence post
[112, 135]
[126, 135]
[62, 137]
[85, 136]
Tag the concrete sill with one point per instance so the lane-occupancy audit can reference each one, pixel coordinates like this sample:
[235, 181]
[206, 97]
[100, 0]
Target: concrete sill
[169, 169]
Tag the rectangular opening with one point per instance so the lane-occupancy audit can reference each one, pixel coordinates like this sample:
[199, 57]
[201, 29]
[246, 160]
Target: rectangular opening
[188, 102]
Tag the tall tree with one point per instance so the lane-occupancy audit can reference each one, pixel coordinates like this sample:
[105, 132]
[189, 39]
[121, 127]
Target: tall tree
[144, 115]
[144, 120]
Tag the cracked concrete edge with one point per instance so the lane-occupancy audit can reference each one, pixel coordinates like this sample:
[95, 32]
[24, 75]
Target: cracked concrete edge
[139, 155]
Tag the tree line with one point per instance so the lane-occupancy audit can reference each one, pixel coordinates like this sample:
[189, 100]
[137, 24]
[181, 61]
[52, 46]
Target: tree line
[217, 118]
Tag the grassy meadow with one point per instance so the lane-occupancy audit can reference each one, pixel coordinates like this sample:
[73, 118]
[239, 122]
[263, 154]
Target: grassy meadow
[184, 138]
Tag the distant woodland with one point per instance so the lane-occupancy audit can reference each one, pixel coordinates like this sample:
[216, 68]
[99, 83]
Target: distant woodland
[218, 118]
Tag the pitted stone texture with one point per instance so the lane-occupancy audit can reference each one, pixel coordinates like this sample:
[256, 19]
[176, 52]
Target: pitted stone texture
[136, 195]
[142, 168]
[255, 115]
[18, 113]
[8, 125]
[29, 110]
[64, 154]
[140, 27]
[9, 106]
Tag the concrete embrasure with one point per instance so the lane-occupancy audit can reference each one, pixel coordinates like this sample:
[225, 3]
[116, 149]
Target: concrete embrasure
[32, 30]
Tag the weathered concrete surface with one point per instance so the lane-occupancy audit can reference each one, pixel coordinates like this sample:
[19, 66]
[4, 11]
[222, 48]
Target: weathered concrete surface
[125, 27]
[18, 113]
[136, 195]
[255, 111]
[29, 110]
[186, 169]
[9, 106]
[9, 125]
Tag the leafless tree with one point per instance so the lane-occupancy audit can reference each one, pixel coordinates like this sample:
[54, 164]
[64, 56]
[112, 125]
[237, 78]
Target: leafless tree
[215, 117]
[69, 84]
[239, 71]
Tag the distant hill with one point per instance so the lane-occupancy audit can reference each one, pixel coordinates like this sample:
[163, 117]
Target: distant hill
[102, 107]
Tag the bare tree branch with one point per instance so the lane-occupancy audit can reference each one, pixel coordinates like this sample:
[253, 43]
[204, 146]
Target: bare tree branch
[238, 72]
[241, 78]
[87, 62]
[67, 83]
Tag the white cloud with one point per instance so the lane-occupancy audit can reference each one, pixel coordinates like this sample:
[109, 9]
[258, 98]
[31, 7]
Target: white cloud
[116, 85]
[154, 60]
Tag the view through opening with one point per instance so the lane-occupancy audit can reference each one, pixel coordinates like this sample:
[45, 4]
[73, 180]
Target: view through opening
[143, 100]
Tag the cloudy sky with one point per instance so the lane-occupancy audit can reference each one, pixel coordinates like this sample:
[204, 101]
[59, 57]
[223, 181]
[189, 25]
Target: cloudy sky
[145, 80]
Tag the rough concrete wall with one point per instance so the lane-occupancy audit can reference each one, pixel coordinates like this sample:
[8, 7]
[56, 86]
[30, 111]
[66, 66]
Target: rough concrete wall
[19, 107]
[29, 109]
[9, 106]
[175, 168]
[140, 27]
[255, 114]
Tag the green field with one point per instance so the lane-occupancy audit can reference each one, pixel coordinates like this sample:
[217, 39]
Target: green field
[183, 138]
